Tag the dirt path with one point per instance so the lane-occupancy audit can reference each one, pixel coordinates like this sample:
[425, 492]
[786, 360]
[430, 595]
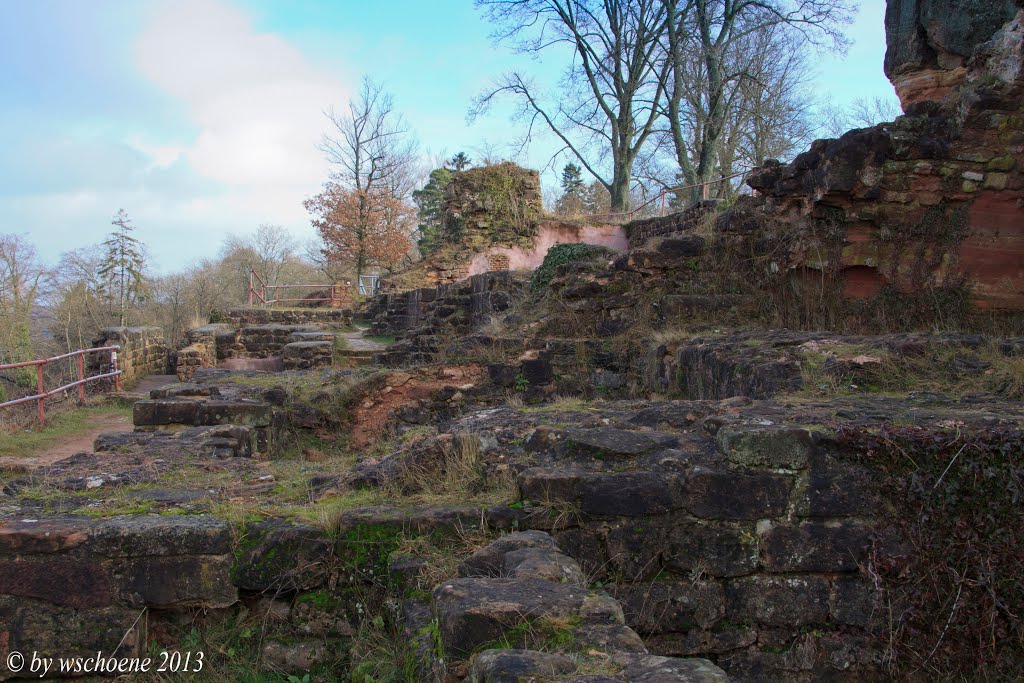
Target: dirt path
[81, 441]
[73, 443]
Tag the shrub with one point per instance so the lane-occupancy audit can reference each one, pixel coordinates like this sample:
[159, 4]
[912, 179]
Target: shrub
[954, 590]
[561, 254]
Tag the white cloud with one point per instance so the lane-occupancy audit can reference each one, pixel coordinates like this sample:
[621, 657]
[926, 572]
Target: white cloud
[255, 100]
[160, 156]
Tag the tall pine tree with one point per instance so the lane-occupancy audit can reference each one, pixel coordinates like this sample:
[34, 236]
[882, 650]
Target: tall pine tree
[428, 201]
[459, 162]
[122, 265]
[571, 202]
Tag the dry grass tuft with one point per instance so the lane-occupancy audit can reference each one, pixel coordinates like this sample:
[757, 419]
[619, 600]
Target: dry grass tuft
[561, 513]
[443, 554]
[1007, 379]
[455, 470]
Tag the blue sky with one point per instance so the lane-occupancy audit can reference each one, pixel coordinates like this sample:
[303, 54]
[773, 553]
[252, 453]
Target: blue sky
[200, 117]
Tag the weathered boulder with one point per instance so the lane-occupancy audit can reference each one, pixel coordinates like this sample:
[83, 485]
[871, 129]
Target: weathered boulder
[334, 318]
[598, 443]
[218, 441]
[180, 411]
[616, 493]
[779, 601]
[306, 355]
[665, 606]
[719, 549]
[103, 567]
[47, 630]
[474, 612]
[513, 666]
[490, 560]
[550, 565]
[774, 446]
[279, 556]
[815, 547]
[652, 669]
[720, 494]
[296, 657]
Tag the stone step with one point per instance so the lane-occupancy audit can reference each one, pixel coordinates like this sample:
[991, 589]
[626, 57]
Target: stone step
[220, 441]
[197, 413]
[306, 355]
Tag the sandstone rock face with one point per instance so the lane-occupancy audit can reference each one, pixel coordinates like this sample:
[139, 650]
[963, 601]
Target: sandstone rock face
[520, 594]
[306, 355]
[277, 556]
[933, 202]
[929, 42]
[549, 232]
[245, 426]
[330, 318]
[74, 586]
[256, 339]
[935, 199]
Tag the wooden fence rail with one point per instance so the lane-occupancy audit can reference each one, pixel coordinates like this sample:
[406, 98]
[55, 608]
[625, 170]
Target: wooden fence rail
[42, 394]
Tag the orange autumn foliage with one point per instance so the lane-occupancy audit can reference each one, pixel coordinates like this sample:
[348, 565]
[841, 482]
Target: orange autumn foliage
[362, 229]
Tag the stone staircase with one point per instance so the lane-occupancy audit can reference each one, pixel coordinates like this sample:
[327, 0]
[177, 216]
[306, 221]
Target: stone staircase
[271, 340]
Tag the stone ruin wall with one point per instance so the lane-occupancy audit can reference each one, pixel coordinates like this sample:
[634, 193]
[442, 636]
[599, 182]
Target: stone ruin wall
[458, 307]
[743, 541]
[549, 233]
[930, 43]
[936, 198]
[709, 563]
[933, 201]
[483, 235]
[142, 353]
[688, 221]
[263, 338]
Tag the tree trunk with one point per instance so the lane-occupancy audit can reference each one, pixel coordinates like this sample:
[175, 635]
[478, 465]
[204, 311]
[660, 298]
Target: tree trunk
[619, 192]
[622, 172]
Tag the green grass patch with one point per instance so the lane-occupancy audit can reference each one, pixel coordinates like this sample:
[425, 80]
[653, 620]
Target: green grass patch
[59, 427]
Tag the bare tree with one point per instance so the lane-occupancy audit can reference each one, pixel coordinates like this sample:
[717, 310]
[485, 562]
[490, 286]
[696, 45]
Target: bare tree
[769, 109]
[271, 252]
[170, 307]
[703, 40]
[607, 106]
[870, 111]
[863, 112]
[370, 144]
[78, 299]
[22, 279]
[377, 171]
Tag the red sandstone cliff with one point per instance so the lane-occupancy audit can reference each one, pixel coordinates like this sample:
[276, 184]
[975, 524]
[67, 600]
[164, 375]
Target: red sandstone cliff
[935, 199]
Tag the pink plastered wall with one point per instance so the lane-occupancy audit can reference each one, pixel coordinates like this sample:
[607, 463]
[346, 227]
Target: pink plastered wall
[548, 235]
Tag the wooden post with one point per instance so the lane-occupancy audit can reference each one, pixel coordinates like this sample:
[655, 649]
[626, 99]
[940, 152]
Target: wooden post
[663, 203]
[40, 390]
[250, 287]
[113, 368]
[81, 376]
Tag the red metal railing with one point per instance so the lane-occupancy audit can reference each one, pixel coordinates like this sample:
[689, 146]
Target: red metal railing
[43, 394]
[268, 295]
